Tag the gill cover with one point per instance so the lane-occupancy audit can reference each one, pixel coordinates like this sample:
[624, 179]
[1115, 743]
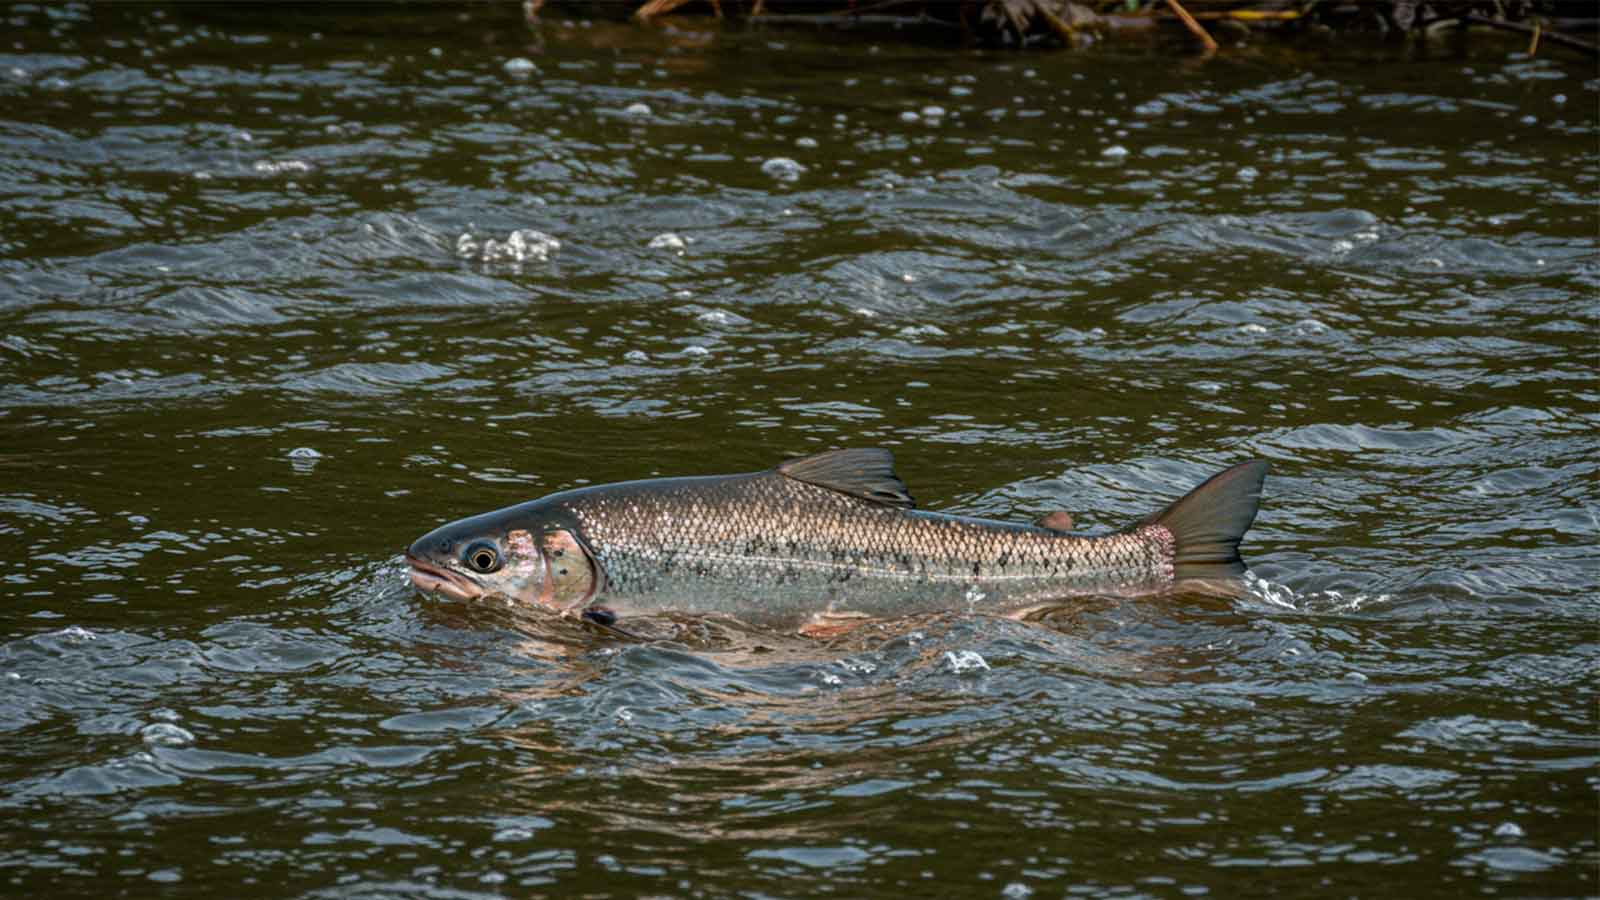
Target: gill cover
[571, 578]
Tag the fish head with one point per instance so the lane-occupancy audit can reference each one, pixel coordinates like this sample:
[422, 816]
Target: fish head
[486, 556]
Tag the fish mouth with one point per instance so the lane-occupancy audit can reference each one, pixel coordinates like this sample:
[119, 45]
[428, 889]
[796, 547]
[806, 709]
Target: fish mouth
[429, 578]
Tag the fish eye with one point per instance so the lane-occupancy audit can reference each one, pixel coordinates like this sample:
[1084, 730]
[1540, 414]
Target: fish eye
[483, 557]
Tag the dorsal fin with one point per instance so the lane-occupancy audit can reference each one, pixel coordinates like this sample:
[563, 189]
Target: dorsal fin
[1060, 520]
[867, 473]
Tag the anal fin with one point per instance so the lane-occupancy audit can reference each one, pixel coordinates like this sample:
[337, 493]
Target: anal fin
[832, 624]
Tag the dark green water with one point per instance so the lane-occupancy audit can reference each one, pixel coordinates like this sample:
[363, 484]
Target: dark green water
[254, 339]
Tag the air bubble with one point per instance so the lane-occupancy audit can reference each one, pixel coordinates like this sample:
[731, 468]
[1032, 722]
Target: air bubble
[783, 168]
[718, 317]
[304, 459]
[72, 634]
[166, 734]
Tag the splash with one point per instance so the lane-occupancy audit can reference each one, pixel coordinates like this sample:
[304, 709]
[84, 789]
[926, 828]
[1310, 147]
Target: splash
[1282, 596]
[520, 246]
[961, 661]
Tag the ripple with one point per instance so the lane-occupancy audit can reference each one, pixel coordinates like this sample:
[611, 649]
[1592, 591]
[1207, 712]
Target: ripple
[229, 245]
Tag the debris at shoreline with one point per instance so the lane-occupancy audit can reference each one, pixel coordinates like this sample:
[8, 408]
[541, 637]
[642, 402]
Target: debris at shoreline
[1573, 25]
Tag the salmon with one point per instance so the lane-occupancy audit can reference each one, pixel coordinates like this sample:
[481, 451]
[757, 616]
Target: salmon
[833, 536]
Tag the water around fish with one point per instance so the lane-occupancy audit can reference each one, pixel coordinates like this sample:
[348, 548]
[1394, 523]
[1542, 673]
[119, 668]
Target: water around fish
[284, 289]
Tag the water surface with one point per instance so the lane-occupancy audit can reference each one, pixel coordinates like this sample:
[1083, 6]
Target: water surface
[281, 290]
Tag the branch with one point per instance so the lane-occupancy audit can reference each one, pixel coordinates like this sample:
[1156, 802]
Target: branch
[1554, 37]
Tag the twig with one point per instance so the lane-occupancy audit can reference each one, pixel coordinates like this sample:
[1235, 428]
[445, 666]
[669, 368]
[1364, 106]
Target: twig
[1251, 15]
[1062, 29]
[1193, 26]
[854, 18]
[1533, 45]
[658, 7]
[1554, 37]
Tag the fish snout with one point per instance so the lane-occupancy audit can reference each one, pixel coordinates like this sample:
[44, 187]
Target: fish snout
[430, 578]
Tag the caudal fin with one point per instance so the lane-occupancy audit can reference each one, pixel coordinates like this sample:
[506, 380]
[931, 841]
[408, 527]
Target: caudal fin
[1208, 523]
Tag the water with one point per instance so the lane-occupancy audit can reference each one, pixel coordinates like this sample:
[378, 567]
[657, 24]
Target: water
[284, 289]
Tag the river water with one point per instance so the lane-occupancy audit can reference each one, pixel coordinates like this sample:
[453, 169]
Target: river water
[284, 288]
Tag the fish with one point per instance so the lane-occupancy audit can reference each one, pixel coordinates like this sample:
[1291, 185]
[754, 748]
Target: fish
[818, 541]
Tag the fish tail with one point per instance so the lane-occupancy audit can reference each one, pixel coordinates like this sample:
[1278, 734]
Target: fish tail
[1207, 524]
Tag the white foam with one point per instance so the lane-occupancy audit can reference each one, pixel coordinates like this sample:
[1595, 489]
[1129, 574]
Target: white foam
[965, 661]
[522, 245]
[281, 166]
